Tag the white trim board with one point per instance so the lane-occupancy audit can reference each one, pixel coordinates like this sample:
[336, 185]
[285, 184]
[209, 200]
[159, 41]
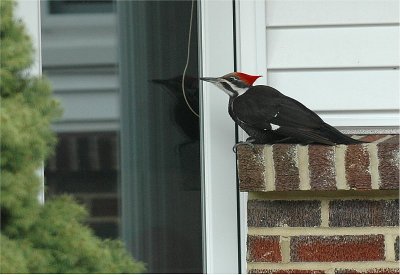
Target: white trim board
[219, 196]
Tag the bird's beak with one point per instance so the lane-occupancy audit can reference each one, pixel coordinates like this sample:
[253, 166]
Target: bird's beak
[210, 79]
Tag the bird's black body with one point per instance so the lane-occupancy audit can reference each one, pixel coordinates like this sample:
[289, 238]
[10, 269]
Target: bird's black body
[268, 116]
[256, 135]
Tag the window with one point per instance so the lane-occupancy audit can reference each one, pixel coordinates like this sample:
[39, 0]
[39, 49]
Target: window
[147, 188]
[160, 136]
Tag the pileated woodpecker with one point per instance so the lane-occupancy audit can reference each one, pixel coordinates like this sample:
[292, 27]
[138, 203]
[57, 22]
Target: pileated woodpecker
[268, 116]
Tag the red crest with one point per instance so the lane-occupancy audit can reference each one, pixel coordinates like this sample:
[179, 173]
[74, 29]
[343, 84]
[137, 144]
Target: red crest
[249, 79]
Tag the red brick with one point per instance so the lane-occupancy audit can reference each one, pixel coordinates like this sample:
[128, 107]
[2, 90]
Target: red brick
[337, 248]
[348, 213]
[357, 167]
[285, 271]
[280, 213]
[322, 167]
[368, 271]
[388, 154]
[286, 170]
[250, 168]
[263, 249]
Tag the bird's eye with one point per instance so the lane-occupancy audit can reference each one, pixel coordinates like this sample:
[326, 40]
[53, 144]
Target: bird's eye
[233, 78]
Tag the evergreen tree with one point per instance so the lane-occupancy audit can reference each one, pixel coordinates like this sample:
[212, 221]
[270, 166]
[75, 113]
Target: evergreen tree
[36, 238]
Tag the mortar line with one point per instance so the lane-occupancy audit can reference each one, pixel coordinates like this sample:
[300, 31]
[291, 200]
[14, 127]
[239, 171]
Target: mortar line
[303, 166]
[340, 167]
[285, 248]
[389, 248]
[269, 168]
[372, 149]
[324, 213]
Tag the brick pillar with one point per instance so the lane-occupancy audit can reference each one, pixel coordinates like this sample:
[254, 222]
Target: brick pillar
[322, 209]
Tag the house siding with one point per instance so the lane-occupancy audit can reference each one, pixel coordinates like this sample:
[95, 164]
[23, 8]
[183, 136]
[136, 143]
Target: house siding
[339, 58]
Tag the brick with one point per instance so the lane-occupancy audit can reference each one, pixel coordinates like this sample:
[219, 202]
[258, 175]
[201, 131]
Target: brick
[285, 271]
[263, 249]
[368, 271]
[388, 154]
[348, 213]
[322, 167]
[337, 248]
[250, 168]
[396, 248]
[357, 167]
[286, 170]
[281, 213]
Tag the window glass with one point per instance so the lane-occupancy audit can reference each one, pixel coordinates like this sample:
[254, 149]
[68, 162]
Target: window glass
[128, 146]
[160, 135]
[86, 165]
[80, 6]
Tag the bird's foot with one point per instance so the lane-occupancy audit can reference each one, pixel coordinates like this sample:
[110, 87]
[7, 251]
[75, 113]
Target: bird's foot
[248, 142]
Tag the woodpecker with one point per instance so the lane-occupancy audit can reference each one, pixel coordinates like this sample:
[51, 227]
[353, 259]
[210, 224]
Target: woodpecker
[268, 116]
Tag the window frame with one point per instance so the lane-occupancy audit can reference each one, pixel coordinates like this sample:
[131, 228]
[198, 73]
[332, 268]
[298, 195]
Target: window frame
[223, 245]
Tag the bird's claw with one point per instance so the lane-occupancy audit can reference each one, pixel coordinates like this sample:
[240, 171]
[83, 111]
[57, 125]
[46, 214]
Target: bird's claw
[234, 149]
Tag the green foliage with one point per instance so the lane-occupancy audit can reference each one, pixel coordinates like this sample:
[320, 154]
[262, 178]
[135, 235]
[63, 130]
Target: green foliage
[12, 258]
[16, 50]
[35, 238]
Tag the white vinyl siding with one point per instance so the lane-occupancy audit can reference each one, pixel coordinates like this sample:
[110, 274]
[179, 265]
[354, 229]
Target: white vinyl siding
[339, 58]
[331, 12]
[332, 47]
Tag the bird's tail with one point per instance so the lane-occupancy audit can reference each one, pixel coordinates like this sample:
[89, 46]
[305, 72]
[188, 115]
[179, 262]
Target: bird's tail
[336, 136]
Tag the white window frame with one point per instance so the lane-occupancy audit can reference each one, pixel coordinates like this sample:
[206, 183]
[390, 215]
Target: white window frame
[224, 250]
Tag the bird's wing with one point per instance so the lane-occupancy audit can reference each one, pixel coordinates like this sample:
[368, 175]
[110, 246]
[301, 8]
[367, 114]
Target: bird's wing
[292, 113]
[262, 105]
